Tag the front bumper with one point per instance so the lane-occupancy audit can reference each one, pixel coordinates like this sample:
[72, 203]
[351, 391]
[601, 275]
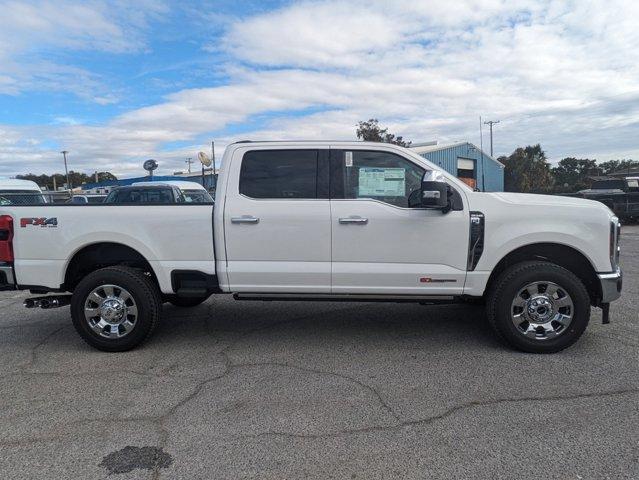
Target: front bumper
[611, 284]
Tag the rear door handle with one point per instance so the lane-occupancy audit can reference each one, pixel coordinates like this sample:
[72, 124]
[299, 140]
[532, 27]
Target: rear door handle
[245, 219]
[353, 219]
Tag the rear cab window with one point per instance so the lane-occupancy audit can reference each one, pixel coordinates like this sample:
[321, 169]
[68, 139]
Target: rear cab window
[284, 174]
[197, 196]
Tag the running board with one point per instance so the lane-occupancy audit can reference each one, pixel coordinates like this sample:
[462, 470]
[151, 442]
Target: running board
[328, 297]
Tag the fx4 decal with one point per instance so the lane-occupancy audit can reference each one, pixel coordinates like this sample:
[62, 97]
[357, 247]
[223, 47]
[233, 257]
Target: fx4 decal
[39, 222]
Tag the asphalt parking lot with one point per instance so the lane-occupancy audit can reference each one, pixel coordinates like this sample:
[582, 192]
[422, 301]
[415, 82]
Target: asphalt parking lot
[280, 390]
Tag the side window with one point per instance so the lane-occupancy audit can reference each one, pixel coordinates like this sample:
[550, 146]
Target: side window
[383, 176]
[279, 174]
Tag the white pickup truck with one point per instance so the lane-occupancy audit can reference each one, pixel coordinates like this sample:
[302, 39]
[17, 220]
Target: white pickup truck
[321, 221]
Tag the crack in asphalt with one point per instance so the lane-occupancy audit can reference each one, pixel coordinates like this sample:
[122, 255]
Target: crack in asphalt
[447, 413]
[160, 421]
[363, 385]
[33, 352]
[163, 430]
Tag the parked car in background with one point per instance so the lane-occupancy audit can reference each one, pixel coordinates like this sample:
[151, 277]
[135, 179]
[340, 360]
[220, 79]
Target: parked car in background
[159, 193]
[141, 194]
[621, 195]
[86, 199]
[193, 192]
[20, 192]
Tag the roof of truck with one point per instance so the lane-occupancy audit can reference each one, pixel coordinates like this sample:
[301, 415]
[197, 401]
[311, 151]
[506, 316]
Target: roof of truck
[18, 184]
[322, 142]
[181, 184]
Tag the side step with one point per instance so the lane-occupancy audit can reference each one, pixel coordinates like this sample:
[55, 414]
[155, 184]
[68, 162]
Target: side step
[298, 297]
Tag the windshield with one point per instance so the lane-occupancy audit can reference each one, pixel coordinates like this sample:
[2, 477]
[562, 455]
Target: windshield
[22, 197]
[197, 196]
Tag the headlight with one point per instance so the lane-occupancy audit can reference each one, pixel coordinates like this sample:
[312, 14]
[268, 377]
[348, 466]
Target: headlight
[615, 233]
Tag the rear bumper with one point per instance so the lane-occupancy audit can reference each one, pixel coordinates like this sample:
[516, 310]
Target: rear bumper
[7, 279]
[611, 284]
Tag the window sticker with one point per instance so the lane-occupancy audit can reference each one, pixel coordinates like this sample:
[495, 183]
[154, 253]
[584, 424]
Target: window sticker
[382, 182]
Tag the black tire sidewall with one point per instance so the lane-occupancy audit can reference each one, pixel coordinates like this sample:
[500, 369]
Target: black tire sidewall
[144, 293]
[513, 283]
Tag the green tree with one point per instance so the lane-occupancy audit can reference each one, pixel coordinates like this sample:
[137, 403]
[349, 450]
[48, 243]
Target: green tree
[371, 131]
[76, 178]
[527, 170]
[106, 176]
[612, 166]
[571, 173]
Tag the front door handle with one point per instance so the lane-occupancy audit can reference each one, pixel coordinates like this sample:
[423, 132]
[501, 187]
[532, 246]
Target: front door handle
[245, 219]
[353, 219]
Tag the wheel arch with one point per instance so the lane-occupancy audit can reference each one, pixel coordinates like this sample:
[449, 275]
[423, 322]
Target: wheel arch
[98, 255]
[560, 254]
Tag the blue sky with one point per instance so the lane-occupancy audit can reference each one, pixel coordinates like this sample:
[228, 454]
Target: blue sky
[117, 82]
[169, 57]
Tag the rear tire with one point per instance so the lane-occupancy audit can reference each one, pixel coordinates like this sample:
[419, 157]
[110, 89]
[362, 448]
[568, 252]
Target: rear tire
[185, 301]
[115, 309]
[538, 307]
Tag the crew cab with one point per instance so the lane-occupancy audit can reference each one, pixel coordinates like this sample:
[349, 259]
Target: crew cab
[353, 221]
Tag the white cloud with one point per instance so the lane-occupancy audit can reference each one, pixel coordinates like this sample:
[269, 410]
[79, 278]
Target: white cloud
[31, 32]
[565, 74]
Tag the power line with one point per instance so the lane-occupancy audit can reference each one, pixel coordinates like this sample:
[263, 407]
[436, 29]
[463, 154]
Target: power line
[188, 161]
[490, 123]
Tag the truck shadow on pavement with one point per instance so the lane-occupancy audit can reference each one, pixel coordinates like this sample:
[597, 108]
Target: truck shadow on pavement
[330, 323]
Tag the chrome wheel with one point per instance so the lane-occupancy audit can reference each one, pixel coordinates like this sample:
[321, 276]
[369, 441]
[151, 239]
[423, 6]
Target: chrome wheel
[110, 311]
[542, 310]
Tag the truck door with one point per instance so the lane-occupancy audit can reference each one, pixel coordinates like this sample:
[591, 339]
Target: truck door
[380, 245]
[277, 221]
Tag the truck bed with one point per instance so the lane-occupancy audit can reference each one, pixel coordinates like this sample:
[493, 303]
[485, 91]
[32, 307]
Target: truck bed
[170, 237]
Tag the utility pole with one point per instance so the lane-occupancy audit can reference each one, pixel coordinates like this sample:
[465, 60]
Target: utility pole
[66, 171]
[188, 161]
[481, 153]
[490, 123]
[213, 155]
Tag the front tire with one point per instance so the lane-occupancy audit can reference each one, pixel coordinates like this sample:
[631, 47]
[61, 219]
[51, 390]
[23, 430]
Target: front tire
[538, 307]
[115, 309]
